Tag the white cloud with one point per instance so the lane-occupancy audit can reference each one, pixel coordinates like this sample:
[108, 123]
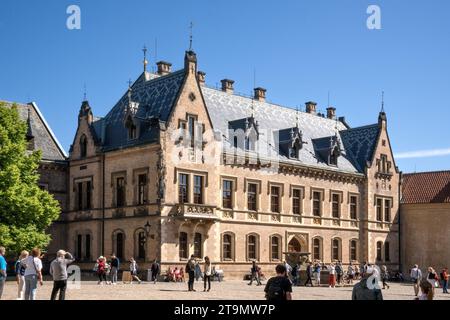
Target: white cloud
[423, 154]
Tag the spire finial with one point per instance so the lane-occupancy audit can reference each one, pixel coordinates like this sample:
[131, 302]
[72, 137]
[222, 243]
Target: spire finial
[296, 117]
[145, 62]
[191, 27]
[129, 90]
[382, 101]
[84, 92]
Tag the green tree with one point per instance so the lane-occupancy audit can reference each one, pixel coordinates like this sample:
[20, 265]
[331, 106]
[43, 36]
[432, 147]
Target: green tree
[26, 210]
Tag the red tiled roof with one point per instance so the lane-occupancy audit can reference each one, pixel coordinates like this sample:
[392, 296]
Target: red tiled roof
[426, 187]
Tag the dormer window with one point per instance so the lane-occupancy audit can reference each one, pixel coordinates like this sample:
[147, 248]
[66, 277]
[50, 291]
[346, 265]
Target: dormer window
[83, 146]
[131, 129]
[334, 151]
[333, 159]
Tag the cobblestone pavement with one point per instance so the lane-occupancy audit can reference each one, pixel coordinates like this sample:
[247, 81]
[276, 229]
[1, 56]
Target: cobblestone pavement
[231, 290]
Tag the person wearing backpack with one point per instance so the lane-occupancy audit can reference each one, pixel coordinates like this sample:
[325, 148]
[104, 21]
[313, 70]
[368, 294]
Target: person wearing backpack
[279, 288]
[416, 277]
[20, 275]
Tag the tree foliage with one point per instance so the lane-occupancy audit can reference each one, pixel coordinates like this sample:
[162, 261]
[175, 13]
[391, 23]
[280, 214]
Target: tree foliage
[26, 211]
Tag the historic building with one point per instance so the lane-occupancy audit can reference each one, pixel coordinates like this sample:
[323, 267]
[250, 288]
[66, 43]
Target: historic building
[178, 168]
[425, 206]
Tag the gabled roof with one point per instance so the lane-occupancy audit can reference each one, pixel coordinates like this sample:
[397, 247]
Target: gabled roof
[44, 138]
[426, 187]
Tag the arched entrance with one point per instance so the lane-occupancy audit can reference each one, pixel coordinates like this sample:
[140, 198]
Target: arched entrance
[294, 253]
[294, 246]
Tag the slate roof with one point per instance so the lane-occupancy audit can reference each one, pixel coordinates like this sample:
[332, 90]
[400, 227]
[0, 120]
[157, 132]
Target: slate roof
[426, 187]
[44, 139]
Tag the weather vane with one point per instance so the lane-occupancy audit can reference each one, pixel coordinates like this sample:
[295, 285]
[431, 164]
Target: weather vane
[144, 49]
[191, 26]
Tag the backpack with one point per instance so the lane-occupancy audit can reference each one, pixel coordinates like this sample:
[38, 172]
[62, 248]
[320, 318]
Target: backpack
[275, 291]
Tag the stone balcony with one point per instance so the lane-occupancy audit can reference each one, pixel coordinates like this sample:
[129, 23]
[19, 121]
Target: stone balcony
[196, 211]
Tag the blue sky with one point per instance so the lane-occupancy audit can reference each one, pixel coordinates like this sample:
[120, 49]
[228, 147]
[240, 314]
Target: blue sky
[299, 49]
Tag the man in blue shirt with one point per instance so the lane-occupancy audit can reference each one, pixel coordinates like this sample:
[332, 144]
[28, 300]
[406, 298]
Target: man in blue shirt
[2, 270]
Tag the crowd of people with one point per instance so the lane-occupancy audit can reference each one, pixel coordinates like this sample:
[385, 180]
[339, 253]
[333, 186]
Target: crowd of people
[28, 271]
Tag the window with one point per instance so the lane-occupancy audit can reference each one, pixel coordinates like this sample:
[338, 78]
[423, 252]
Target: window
[120, 245]
[317, 198]
[296, 201]
[252, 203]
[379, 246]
[227, 247]
[353, 252]
[132, 131]
[83, 146]
[141, 245]
[198, 245]
[142, 188]
[120, 192]
[84, 195]
[80, 246]
[183, 252]
[379, 209]
[353, 207]
[335, 249]
[191, 127]
[335, 205]
[183, 188]
[88, 195]
[275, 199]
[317, 249]
[387, 210]
[87, 252]
[275, 247]
[251, 247]
[198, 189]
[227, 194]
[80, 195]
[387, 254]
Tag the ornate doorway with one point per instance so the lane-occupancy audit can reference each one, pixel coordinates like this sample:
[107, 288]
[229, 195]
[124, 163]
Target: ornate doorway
[294, 246]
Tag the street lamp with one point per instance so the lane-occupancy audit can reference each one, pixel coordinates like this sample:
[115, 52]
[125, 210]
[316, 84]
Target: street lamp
[147, 227]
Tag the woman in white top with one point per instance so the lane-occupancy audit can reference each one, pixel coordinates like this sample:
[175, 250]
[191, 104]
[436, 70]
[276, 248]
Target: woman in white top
[33, 273]
[207, 273]
[134, 270]
[332, 276]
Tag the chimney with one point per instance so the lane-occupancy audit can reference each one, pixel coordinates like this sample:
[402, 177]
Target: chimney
[311, 107]
[201, 77]
[163, 67]
[260, 94]
[331, 113]
[227, 85]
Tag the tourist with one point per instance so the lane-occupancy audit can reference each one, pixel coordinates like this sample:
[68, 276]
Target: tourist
[317, 270]
[182, 275]
[288, 269]
[279, 288]
[198, 271]
[115, 267]
[309, 274]
[58, 270]
[101, 268]
[350, 273]
[207, 272]
[427, 291]
[134, 270]
[416, 277]
[332, 276]
[20, 275]
[295, 274]
[190, 270]
[357, 272]
[384, 276]
[367, 291]
[3, 266]
[33, 273]
[177, 274]
[363, 269]
[155, 269]
[444, 280]
[254, 274]
[432, 278]
[339, 272]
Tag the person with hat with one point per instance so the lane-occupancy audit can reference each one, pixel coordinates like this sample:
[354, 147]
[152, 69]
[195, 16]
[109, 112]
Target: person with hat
[368, 288]
[58, 270]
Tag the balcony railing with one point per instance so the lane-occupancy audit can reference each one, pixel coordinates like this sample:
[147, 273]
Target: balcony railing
[198, 211]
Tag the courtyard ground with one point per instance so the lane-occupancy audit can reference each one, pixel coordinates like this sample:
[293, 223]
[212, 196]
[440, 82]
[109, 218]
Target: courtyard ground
[227, 290]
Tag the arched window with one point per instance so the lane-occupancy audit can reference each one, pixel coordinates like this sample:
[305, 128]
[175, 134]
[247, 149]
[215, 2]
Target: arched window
[275, 247]
[252, 247]
[379, 248]
[120, 245]
[140, 244]
[183, 250]
[317, 249]
[87, 247]
[198, 245]
[353, 250]
[228, 247]
[387, 254]
[294, 245]
[83, 146]
[336, 249]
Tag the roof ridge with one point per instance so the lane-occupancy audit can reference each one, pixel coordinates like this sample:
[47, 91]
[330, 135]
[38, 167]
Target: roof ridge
[362, 127]
[426, 172]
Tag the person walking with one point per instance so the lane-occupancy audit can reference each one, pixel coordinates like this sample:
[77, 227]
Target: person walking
[444, 280]
[317, 270]
[33, 273]
[20, 275]
[288, 269]
[134, 271]
[432, 278]
[155, 268]
[207, 272]
[101, 270]
[416, 277]
[357, 272]
[350, 274]
[295, 274]
[332, 276]
[58, 270]
[3, 266]
[115, 267]
[384, 277]
[339, 272]
[254, 274]
[309, 274]
[367, 291]
[190, 270]
[279, 288]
